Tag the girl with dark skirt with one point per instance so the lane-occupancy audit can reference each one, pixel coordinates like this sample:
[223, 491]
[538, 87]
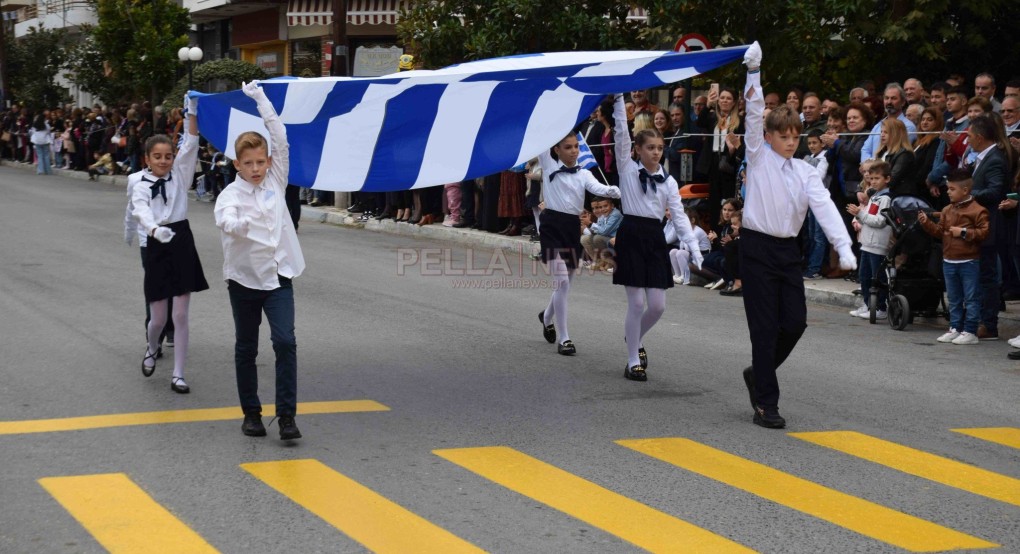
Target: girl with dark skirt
[563, 186]
[642, 255]
[159, 202]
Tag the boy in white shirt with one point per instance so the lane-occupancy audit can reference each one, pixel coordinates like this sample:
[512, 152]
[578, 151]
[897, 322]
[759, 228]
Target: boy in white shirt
[780, 190]
[261, 255]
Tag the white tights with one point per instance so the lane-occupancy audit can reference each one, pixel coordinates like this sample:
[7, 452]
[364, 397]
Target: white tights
[639, 320]
[158, 311]
[557, 307]
[680, 259]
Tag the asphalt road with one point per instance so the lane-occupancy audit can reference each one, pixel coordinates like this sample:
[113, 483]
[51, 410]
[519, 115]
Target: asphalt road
[390, 319]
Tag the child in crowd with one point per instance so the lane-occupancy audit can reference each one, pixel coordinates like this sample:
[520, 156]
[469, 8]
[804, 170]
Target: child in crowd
[780, 190]
[596, 236]
[680, 257]
[814, 254]
[875, 238]
[103, 165]
[159, 202]
[261, 256]
[731, 256]
[714, 268]
[563, 186]
[642, 255]
[962, 226]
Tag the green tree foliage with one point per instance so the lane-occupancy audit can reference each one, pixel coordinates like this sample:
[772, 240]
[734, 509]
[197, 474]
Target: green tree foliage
[441, 33]
[34, 62]
[231, 72]
[137, 41]
[830, 45]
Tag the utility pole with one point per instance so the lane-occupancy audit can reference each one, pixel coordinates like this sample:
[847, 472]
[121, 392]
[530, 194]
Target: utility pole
[341, 63]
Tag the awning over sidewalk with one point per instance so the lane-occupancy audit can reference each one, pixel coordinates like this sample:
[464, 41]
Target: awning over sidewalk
[359, 12]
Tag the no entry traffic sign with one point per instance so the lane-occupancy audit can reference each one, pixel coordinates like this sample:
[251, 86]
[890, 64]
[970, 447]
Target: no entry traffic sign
[692, 42]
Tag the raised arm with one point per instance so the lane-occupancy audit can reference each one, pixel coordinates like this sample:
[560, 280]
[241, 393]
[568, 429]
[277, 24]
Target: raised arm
[280, 167]
[754, 122]
[187, 154]
[621, 135]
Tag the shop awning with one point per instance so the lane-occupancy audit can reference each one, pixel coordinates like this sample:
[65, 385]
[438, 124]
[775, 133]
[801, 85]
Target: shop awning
[359, 12]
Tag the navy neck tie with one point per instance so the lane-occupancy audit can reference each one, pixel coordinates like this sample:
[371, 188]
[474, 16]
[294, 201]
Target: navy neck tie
[647, 178]
[564, 169]
[158, 188]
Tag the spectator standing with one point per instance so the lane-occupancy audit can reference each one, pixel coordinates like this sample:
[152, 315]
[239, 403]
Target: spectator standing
[926, 149]
[893, 102]
[895, 149]
[990, 183]
[814, 253]
[962, 227]
[984, 86]
[722, 154]
[812, 117]
[42, 137]
[913, 91]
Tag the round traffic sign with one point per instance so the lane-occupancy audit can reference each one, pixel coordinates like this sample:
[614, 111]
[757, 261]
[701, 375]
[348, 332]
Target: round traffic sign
[692, 42]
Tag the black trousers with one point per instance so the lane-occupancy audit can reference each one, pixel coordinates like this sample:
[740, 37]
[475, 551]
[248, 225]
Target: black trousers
[774, 304]
[467, 202]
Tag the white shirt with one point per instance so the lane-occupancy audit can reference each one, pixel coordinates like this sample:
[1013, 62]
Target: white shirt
[153, 212]
[565, 193]
[42, 136]
[982, 154]
[130, 223]
[780, 190]
[269, 248]
[648, 204]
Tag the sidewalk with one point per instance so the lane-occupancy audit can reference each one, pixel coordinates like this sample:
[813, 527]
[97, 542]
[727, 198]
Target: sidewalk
[832, 292]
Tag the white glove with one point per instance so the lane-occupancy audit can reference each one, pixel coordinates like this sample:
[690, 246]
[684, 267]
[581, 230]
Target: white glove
[163, 234]
[251, 89]
[242, 226]
[752, 57]
[697, 258]
[192, 104]
[847, 260]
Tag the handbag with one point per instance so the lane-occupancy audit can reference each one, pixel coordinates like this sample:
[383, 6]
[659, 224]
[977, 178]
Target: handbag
[6, 137]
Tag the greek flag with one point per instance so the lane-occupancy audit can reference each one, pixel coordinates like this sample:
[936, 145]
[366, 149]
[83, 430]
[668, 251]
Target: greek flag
[585, 159]
[420, 128]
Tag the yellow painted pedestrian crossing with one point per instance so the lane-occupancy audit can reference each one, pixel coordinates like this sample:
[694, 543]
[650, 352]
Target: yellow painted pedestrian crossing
[919, 463]
[124, 518]
[121, 516]
[367, 517]
[175, 416]
[1006, 436]
[628, 519]
[858, 515]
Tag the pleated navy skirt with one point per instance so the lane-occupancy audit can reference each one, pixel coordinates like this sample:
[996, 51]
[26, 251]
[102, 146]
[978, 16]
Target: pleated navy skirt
[642, 255]
[560, 237]
[173, 269]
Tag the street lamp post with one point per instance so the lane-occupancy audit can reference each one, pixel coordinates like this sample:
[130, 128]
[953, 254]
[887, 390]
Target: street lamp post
[190, 56]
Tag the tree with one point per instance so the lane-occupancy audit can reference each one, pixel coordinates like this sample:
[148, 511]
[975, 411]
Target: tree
[448, 32]
[830, 45]
[135, 45]
[231, 72]
[34, 62]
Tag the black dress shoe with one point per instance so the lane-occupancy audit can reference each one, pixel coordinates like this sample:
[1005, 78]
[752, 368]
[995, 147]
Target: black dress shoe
[566, 348]
[749, 382]
[355, 209]
[769, 419]
[548, 331]
[1014, 355]
[288, 429]
[635, 373]
[178, 385]
[252, 425]
[732, 292]
[147, 370]
[643, 356]
[461, 224]
[384, 215]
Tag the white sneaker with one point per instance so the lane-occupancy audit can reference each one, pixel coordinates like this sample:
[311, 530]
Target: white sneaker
[966, 338]
[949, 336]
[856, 312]
[1014, 342]
[865, 313]
[880, 314]
[678, 280]
[718, 284]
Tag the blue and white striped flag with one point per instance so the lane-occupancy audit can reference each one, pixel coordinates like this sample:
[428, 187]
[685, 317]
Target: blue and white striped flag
[416, 129]
[585, 158]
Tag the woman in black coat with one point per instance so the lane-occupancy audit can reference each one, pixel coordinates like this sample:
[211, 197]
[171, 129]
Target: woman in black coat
[720, 157]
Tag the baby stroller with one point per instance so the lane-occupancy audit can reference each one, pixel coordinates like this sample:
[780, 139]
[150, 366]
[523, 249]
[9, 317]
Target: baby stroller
[913, 267]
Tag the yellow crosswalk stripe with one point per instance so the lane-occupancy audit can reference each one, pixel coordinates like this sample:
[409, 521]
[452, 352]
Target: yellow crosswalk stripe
[121, 516]
[856, 514]
[367, 517]
[1006, 436]
[616, 514]
[919, 463]
[176, 416]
